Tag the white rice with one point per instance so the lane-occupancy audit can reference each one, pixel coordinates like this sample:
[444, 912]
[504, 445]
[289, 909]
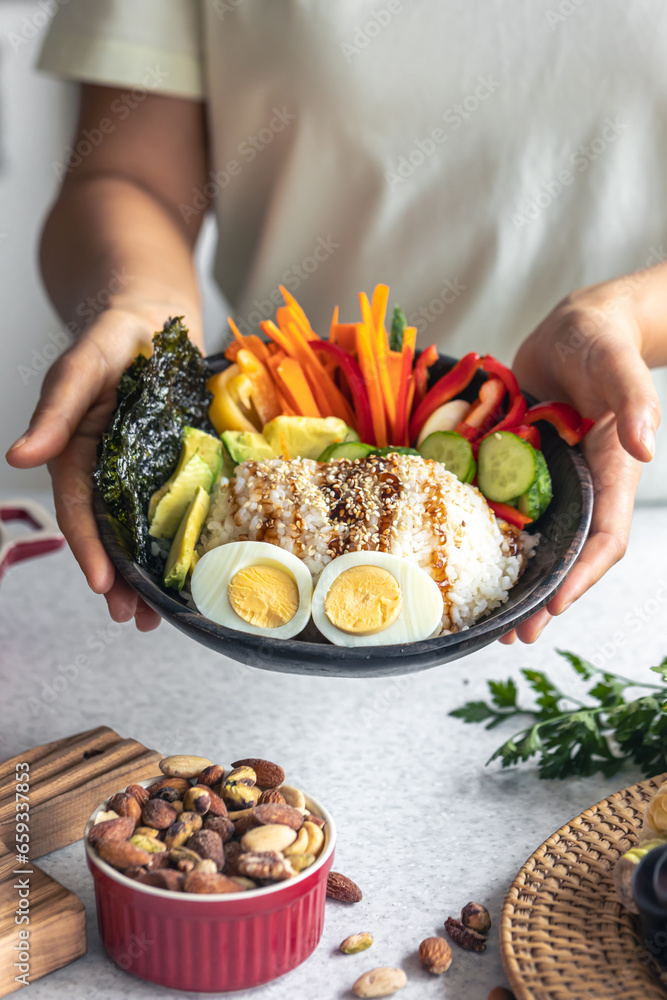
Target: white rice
[403, 504]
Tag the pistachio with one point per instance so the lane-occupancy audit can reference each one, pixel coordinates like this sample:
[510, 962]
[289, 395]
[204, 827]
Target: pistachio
[356, 943]
[300, 844]
[193, 819]
[197, 800]
[238, 797]
[184, 859]
[168, 794]
[293, 796]
[183, 765]
[178, 833]
[273, 837]
[211, 776]
[243, 775]
[150, 844]
[301, 861]
[147, 831]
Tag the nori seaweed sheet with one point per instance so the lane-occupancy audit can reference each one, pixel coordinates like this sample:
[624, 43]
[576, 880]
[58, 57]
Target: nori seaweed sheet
[157, 397]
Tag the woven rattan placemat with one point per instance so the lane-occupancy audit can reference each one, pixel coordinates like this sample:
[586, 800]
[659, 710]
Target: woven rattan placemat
[563, 933]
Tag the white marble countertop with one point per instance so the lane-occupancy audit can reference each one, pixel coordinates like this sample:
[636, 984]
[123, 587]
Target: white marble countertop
[423, 825]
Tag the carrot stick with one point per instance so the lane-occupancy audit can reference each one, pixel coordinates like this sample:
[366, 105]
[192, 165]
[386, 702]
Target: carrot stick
[333, 327]
[379, 308]
[403, 405]
[379, 340]
[366, 359]
[298, 314]
[296, 388]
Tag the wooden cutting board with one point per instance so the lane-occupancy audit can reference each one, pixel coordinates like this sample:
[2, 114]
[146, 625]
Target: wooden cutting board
[68, 779]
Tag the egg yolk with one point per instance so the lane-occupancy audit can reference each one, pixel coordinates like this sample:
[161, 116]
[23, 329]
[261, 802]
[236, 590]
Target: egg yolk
[363, 600]
[263, 595]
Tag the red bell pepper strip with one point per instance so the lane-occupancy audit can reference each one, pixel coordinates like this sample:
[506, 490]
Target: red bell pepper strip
[352, 373]
[569, 423]
[446, 388]
[484, 408]
[530, 434]
[420, 374]
[509, 514]
[492, 366]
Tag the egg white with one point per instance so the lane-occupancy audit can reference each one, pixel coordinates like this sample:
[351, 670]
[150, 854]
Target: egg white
[421, 609]
[215, 570]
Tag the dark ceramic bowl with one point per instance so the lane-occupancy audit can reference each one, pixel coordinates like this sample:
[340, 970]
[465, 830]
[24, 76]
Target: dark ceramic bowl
[563, 529]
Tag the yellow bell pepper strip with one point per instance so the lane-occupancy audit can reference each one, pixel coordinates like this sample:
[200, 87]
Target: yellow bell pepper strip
[263, 395]
[296, 388]
[401, 436]
[379, 341]
[450, 385]
[366, 359]
[224, 412]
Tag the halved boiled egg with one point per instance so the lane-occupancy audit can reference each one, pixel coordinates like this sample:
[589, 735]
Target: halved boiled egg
[376, 599]
[253, 587]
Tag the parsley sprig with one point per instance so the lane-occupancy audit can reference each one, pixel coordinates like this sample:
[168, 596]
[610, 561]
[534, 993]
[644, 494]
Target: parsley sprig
[573, 737]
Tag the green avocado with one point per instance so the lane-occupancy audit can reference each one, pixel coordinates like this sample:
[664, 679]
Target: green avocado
[182, 548]
[172, 506]
[244, 446]
[195, 442]
[305, 437]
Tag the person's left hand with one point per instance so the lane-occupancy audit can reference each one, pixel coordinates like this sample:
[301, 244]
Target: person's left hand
[588, 352]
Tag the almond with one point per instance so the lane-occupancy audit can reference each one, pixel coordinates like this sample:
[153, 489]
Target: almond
[207, 844]
[216, 807]
[180, 784]
[271, 795]
[317, 820]
[269, 775]
[342, 888]
[380, 982]
[241, 826]
[272, 837]
[435, 955]
[211, 776]
[116, 830]
[166, 878]
[276, 812]
[122, 854]
[183, 765]
[125, 805]
[158, 814]
[139, 793]
[204, 882]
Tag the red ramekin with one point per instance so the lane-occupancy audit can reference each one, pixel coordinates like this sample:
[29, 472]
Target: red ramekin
[211, 943]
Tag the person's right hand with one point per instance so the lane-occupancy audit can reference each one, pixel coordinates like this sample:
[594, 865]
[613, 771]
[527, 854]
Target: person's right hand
[77, 400]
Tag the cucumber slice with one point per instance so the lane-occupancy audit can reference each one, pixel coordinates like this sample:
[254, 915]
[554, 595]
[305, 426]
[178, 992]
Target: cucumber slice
[351, 435]
[535, 501]
[453, 451]
[506, 466]
[347, 449]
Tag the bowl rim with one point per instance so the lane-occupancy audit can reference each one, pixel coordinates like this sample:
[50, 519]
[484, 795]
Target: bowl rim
[213, 897]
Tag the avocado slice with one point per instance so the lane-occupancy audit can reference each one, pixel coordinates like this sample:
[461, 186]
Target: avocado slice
[195, 442]
[304, 437]
[243, 446]
[182, 552]
[172, 506]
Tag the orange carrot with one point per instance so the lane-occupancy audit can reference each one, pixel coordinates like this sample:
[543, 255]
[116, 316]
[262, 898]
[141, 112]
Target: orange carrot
[296, 388]
[379, 341]
[298, 314]
[366, 358]
[404, 404]
[333, 327]
[379, 308]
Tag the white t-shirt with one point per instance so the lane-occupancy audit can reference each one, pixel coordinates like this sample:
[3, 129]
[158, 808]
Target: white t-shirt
[483, 159]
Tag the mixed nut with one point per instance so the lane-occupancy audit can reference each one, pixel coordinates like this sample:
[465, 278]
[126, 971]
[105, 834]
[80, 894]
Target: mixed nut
[202, 829]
